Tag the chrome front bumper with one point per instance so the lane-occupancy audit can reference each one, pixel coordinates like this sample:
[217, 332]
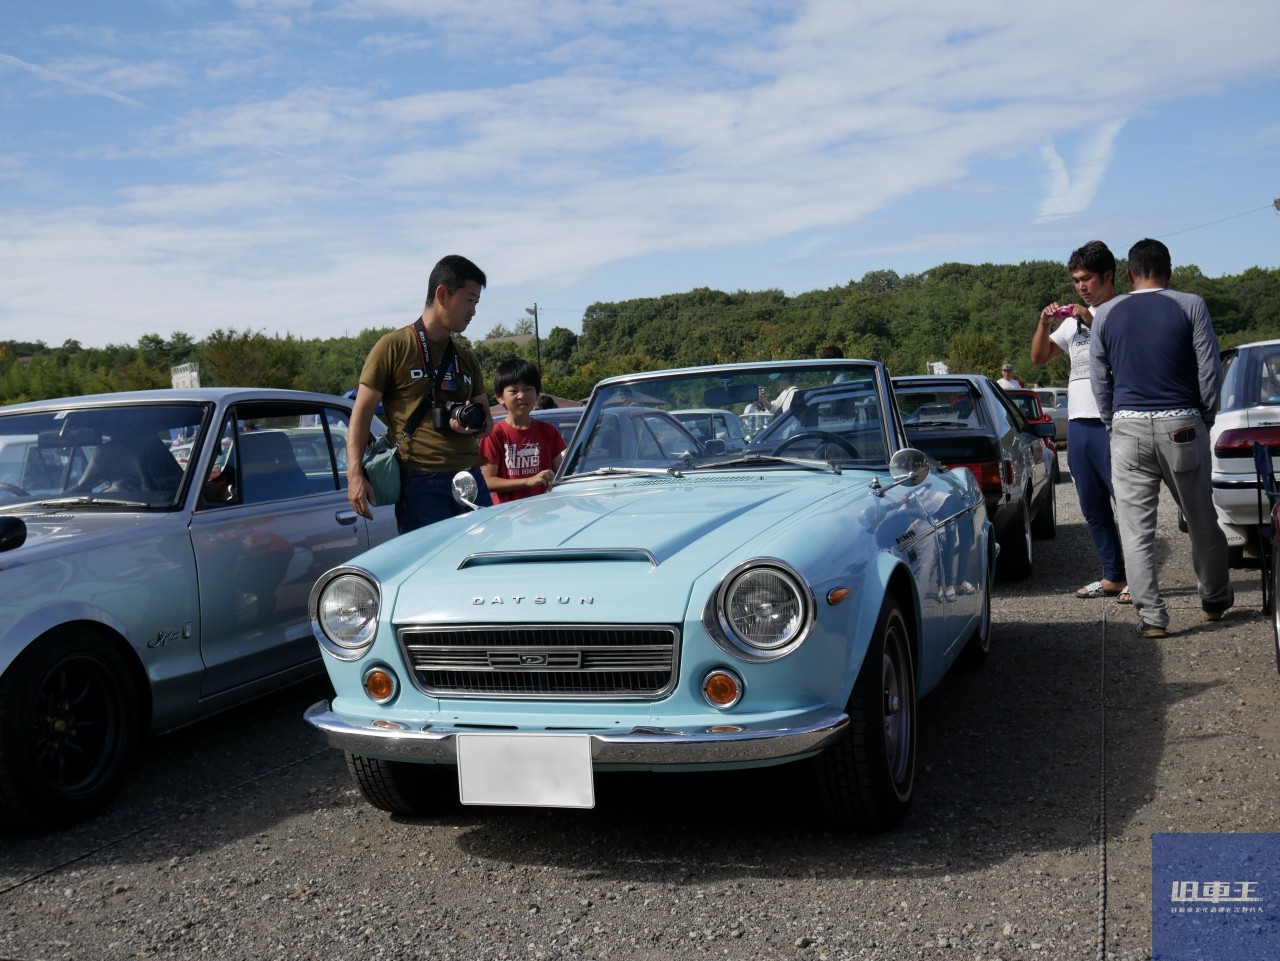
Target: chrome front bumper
[725, 744]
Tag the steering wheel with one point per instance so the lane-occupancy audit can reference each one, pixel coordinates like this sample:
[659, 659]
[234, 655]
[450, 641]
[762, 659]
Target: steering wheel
[13, 489]
[823, 435]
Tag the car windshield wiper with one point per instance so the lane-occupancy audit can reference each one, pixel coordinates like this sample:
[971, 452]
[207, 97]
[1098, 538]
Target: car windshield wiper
[90, 500]
[805, 462]
[626, 471]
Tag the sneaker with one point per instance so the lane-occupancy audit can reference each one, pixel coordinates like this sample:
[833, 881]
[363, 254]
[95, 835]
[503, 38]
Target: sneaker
[1151, 630]
[1215, 612]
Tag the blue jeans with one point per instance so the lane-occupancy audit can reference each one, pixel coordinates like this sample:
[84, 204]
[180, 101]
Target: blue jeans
[1144, 452]
[1089, 460]
[427, 497]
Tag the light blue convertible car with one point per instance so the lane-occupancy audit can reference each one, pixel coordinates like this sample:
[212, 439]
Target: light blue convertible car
[670, 606]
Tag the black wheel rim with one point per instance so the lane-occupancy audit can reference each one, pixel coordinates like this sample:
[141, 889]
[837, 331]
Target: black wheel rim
[77, 725]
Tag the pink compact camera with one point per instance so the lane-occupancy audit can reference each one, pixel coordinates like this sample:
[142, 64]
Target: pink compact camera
[1065, 311]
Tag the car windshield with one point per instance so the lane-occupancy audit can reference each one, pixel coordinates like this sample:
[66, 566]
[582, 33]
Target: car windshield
[119, 456]
[938, 406]
[770, 414]
[1028, 404]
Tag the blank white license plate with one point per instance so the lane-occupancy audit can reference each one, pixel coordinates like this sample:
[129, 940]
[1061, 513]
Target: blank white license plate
[525, 770]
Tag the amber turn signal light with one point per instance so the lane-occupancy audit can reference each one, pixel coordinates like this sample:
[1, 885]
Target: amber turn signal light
[380, 685]
[721, 689]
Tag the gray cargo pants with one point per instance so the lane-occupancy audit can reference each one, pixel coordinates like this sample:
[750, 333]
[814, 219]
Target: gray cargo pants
[1144, 452]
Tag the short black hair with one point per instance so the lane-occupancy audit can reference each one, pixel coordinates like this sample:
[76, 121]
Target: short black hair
[1150, 258]
[453, 271]
[830, 352]
[1095, 257]
[517, 370]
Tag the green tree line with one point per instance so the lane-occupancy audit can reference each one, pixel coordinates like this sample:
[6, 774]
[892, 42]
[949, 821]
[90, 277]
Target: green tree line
[973, 317]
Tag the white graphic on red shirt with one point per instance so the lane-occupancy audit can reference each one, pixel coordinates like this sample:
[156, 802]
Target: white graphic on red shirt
[521, 460]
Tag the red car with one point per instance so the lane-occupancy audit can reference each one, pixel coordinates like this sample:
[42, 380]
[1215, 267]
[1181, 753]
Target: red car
[1028, 401]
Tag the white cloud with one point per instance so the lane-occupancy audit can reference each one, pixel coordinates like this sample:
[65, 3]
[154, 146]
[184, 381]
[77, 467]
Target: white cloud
[1072, 194]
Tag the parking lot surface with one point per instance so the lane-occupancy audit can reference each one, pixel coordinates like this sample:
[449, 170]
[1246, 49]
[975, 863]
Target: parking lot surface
[1042, 778]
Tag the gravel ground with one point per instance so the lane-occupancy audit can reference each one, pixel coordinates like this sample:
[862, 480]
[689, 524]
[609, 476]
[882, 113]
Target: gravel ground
[1042, 778]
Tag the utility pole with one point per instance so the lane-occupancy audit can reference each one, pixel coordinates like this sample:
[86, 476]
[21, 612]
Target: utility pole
[537, 345]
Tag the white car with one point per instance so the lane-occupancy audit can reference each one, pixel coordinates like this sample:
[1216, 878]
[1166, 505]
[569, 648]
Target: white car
[711, 424]
[1248, 413]
[1054, 402]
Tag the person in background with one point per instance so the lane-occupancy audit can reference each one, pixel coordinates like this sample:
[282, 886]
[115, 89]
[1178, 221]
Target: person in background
[1093, 272]
[786, 384]
[522, 454]
[417, 362]
[1156, 374]
[1007, 380]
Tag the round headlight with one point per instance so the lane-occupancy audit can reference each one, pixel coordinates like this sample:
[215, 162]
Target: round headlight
[764, 609]
[347, 614]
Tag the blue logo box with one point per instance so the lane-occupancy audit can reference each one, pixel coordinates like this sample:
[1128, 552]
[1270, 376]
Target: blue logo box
[1215, 897]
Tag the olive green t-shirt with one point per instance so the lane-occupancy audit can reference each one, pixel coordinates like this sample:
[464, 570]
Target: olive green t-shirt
[395, 368]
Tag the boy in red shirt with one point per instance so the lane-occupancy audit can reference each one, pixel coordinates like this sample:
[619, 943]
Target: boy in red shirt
[521, 454]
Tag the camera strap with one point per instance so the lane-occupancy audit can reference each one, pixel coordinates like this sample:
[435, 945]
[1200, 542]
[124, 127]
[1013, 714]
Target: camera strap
[434, 378]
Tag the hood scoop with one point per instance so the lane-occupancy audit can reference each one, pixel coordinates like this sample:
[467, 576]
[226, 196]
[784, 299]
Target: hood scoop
[559, 556]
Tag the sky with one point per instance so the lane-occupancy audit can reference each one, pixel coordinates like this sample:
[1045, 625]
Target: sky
[298, 166]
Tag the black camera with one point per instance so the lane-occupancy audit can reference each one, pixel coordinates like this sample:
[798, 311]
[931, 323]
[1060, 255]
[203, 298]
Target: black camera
[468, 414]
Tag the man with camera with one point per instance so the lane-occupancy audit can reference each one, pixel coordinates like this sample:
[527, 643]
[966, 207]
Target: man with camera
[422, 367]
[1065, 329]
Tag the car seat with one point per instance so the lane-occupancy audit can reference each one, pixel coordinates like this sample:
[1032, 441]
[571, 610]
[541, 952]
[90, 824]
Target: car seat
[268, 469]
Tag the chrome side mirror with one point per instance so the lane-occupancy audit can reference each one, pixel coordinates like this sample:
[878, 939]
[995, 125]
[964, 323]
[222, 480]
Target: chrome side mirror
[908, 468]
[466, 490]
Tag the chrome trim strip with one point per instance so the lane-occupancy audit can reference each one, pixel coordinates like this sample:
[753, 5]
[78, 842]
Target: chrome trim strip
[648, 746]
[558, 555]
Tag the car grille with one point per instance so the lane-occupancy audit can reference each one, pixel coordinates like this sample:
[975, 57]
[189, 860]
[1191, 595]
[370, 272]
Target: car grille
[558, 661]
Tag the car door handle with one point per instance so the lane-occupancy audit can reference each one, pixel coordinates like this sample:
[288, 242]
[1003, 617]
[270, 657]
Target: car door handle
[346, 518]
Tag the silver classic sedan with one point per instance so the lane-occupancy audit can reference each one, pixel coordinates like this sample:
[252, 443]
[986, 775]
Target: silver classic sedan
[156, 553]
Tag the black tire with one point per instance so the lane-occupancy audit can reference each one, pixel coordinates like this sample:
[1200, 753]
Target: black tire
[69, 730]
[1045, 526]
[866, 780]
[1016, 557]
[1057, 471]
[978, 647]
[1275, 606]
[399, 787]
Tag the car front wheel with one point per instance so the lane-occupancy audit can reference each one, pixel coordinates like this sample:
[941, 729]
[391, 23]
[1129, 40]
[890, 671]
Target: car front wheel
[398, 787]
[69, 723]
[1015, 545]
[1045, 526]
[865, 781]
[978, 647]
[1275, 605]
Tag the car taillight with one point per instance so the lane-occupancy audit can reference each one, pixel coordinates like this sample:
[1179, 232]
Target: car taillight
[1239, 441]
[987, 474]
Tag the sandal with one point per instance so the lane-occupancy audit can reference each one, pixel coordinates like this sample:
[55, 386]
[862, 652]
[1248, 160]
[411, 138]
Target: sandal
[1095, 590]
[966, 588]
[1124, 597]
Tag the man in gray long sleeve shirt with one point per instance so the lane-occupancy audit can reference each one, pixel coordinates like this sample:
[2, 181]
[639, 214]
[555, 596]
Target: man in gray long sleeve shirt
[1155, 372]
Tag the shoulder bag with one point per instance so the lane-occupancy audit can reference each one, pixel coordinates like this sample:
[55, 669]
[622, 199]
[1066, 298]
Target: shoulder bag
[382, 467]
